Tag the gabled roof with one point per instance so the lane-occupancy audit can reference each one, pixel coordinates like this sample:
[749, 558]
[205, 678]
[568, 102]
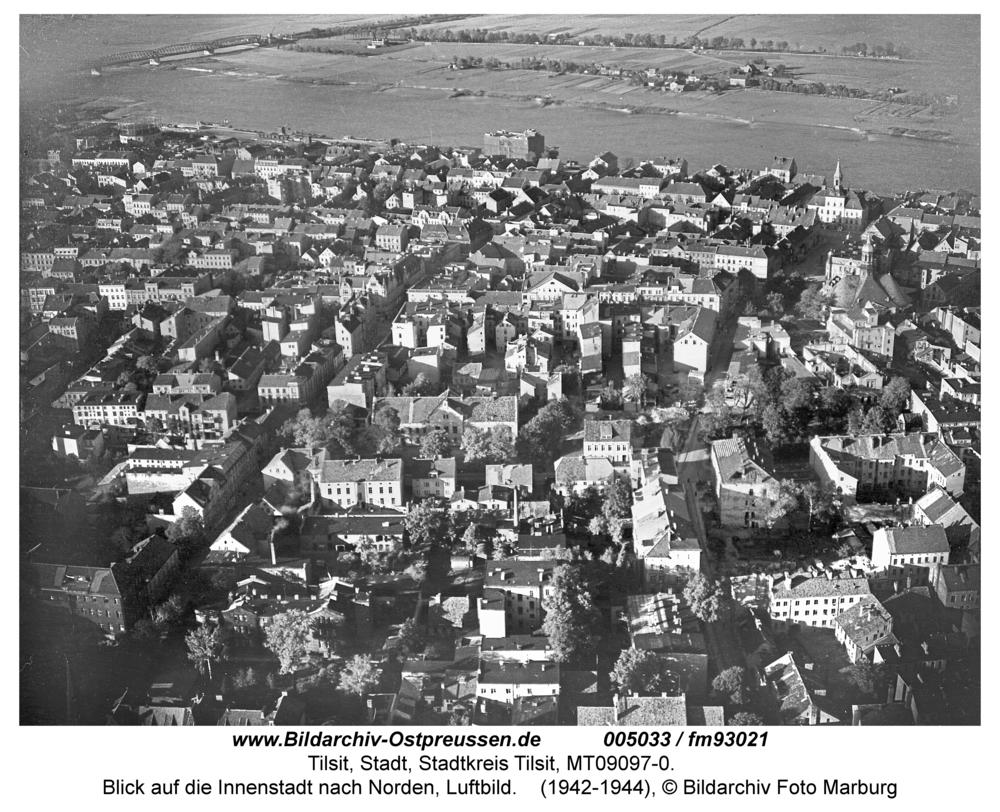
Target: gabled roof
[361, 470]
[917, 539]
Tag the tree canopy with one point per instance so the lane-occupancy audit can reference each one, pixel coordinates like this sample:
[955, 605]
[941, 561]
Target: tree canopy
[287, 636]
[618, 498]
[488, 445]
[359, 676]
[637, 671]
[411, 636]
[206, 644]
[734, 686]
[541, 438]
[435, 444]
[335, 430]
[385, 425]
[428, 523]
[571, 619]
[187, 531]
[707, 599]
[814, 303]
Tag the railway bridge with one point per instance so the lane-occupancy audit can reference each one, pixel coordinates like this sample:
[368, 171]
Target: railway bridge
[153, 57]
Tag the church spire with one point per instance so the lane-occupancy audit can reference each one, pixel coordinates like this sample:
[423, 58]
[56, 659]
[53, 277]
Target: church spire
[838, 179]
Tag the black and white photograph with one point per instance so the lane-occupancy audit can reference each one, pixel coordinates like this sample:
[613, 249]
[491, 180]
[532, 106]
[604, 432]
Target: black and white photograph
[429, 369]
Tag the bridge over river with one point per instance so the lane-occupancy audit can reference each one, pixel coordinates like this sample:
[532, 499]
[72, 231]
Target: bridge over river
[153, 57]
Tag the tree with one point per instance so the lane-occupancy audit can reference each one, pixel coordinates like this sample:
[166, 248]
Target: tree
[818, 502]
[895, 397]
[147, 363]
[774, 422]
[734, 686]
[834, 404]
[745, 719]
[872, 680]
[610, 398]
[387, 422]
[435, 444]
[877, 421]
[335, 430]
[692, 391]
[635, 389]
[246, 678]
[637, 671]
[598, 525]
[541, 438]
[814, 303]
[479, 539]
[571, 619]
[855, 421]
[501, 444]
[411, 637]
[187, 531]
[776, 304]
[419, 386]
[475, 444]
[359, 676]
[170, 611]
[618, 498]
[287, 636]
[428, 523]
[206, 644]
[786, 500]
[706, 599]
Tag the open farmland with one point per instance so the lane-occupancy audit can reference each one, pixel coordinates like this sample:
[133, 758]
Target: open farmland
[928, 36]
[936, 37]
[680, 25]
[424, 67]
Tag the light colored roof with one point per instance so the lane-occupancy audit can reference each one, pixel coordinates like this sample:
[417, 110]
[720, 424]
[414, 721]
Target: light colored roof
[918, 539]
[364, 470]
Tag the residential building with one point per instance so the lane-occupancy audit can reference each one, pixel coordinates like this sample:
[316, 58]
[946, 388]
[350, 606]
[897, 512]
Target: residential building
[345, 483]
[794, 599]
[907, 552]
[868, 466]
[744, 483]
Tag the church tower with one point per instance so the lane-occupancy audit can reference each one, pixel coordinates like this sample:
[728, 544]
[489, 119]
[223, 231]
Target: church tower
[869, 259]
[838, 180]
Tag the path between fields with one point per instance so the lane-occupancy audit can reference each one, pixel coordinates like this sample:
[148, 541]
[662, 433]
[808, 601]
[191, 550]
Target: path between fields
[720, 22]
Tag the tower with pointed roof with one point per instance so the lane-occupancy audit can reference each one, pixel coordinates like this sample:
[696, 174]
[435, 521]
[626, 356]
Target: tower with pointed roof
[838, 180]
[869, 258]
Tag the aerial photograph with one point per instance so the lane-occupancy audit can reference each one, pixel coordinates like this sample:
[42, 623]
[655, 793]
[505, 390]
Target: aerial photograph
[499, 369]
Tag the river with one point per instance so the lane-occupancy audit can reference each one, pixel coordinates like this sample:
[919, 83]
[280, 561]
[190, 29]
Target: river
[883, 165]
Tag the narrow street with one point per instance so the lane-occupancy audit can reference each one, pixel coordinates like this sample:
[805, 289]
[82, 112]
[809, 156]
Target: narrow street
[694, 465]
